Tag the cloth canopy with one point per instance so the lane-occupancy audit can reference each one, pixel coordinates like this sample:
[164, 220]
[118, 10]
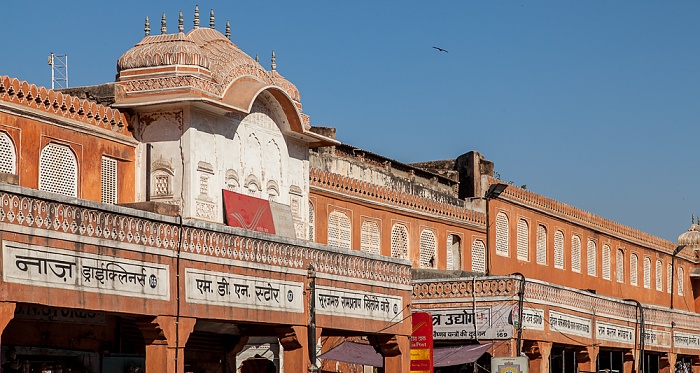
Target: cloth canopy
[364, 354]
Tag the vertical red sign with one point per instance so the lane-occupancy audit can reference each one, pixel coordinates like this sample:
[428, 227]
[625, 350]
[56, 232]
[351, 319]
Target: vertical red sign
[248, 212]
[422, 343]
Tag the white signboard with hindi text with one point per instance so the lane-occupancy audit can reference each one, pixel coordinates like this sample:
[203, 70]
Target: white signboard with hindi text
[686, 340]
[615, 333]
[570, 324]
[482, 322]
[352, 303]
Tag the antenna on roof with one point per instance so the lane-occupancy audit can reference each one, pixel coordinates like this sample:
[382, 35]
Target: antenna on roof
[59, 70]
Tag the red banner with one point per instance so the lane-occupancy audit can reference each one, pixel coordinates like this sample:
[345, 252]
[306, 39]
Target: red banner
[248, 212]
[422, 343]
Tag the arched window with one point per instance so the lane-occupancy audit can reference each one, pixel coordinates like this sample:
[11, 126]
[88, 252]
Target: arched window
[339, 230]
[575, 254]
[681, 280]
[659, 275]
[620, 266]
[8, 154]
[633, 270]
[478, 256]
[502, 234]
[559, 249]
[592, 256]
[58, 170]
[606, 262]
[541, 244]
[428, 258]
[647, 272]
[399, 241]
[669, 278]
[523, 240]
[109, 180]
[454, 252]
[312, 222]
[369, 237]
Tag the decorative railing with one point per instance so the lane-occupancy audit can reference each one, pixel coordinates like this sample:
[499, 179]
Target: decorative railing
[122, 225]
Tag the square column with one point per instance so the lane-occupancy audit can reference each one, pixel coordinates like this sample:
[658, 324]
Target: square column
[165, 338]
[396, 350]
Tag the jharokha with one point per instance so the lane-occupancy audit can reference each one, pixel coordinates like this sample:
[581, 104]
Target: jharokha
[187, 217]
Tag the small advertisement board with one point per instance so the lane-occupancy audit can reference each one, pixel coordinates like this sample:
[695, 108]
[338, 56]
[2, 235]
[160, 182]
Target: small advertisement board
[520, 364]
[422, 343]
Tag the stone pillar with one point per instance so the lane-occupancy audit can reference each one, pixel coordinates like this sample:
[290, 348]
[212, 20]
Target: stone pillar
[538, 352]
[667, 363]
[296, 350]
[7, 313]
[165, 338]
[233, 346]
[396, 350]
[629, 362]
[587, 358]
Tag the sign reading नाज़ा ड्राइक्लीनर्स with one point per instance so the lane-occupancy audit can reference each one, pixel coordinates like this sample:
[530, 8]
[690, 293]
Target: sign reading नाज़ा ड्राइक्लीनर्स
[226, 289]
[359, 304]
[57, 268]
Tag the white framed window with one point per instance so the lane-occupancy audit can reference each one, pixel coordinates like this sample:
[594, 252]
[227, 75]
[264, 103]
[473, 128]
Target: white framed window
[659, 275]
[576, 254]
[541, 244]
[428, 249]
[647, 272]
[454, 252]
[312, 222]
[8, 154]
[58, 170]
[399, 241]
[606, 262]
[620, 266]
[559, 249]
[681, 280]
[633, 270]
[592, 257]
[109, 180]
[502, 234]
[523, 240]
[369, 237]
[478, 256]
[339, 230]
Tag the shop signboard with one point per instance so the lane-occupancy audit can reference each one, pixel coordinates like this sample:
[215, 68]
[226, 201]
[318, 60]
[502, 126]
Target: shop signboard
[422, 343]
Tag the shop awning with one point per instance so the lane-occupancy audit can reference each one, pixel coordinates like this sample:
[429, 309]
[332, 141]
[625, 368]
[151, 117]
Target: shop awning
[364, 354]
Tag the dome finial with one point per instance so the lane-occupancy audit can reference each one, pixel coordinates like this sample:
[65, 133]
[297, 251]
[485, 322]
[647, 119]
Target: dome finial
[163, 29]
[257, 59]
[180, 23]
[228, 31]
[196, 16]
[211, 19]
[274, 62]
[147, 27]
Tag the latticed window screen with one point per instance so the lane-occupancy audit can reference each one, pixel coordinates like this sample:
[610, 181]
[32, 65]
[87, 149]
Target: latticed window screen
[647, 272]
[606, 262]
[339, 232]
[58, 170]
[312, 222]
[369, 237]
[399, 241]
[620, 266]
[109, 180]
[669, 279]
[575, 254]
[8, 155]
[559, 249]
[592, 256]
[454, 252]
[681, 280]
[428, 250]
[502, 234]
[633, 270]
[659, 275]
[478, 256]
[523, 240]
[541, 244]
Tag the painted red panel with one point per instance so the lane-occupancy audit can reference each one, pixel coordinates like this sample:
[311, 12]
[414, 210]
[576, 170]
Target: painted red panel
[248, 212]
[422, 343]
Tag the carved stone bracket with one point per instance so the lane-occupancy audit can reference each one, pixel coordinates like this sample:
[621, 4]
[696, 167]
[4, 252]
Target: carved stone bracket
[387, 345]
[288, 338]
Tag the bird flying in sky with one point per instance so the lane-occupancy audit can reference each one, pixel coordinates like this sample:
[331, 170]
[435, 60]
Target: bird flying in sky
[441, 50]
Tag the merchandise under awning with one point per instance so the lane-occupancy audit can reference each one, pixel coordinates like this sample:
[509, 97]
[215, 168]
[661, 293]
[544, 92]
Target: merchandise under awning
[364, 354]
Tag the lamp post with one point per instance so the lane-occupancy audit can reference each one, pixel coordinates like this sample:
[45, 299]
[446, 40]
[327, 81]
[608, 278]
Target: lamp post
[493, 192]
[640, 362]
[521, 298]
[673, 269]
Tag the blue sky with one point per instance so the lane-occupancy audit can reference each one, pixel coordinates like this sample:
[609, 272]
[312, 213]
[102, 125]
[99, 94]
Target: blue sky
[594, 103]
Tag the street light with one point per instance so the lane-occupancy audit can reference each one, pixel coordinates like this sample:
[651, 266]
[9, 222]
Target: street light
[521, 296]
[640, 362]
[673, 268]
[493, 192]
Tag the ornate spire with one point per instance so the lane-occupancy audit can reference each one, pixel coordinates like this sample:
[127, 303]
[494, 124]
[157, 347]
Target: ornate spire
[228, 31]
[274, 64]
[211, 19]
[196, 16]
[147, 27]
[163, 29]
[257, 59]
[180, 23]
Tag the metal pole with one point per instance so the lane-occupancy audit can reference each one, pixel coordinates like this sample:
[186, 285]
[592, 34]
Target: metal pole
[640, 363]
[488, 230]
[521, 299]
[673, 270]
[312, 320]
